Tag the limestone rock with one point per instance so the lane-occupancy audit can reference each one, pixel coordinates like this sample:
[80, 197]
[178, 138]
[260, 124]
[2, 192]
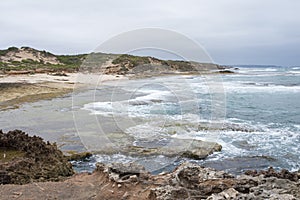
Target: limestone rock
[283, 174]
[123, 172]
[188, 148]
[31, 159]
[226, 194]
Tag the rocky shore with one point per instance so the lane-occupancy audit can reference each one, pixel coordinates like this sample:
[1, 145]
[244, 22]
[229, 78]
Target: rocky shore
[36, 164]
[25, 159]
[131, 181]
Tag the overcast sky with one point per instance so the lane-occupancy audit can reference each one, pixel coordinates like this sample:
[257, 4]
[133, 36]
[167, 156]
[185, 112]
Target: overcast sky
[232, 31]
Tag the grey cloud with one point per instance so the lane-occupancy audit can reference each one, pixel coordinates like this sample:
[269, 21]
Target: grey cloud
[233, 31]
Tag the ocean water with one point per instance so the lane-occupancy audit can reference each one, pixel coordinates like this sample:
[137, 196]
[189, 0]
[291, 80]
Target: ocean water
[254, 114]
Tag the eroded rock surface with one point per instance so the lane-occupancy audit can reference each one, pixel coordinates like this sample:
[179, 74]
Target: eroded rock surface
[195, 182]
[131, 181]
[24, 159]
[188, 148]
[283, 174]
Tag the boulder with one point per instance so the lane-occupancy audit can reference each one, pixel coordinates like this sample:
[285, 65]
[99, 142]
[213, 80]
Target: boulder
[188, 148]
[123, 172]
[283, 174]
[30, 159]
[192, 181]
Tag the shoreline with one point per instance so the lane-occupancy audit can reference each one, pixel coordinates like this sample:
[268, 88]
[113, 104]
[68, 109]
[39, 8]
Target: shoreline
[26, 88]
[18, 89]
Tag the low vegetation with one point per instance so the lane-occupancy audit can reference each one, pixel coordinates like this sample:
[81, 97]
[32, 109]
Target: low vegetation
[69, 63]
[130, 59]
[5, 51]
[28, 60]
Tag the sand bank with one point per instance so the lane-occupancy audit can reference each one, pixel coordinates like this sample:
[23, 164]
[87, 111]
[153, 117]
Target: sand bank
[18, 89]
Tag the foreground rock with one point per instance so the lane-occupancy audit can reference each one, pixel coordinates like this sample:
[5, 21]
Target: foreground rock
[194, 182]
[283, 174]
[131, 181]
[25, 159]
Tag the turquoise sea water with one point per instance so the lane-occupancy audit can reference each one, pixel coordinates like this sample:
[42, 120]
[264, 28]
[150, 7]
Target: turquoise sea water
[254, 114]
[258, 107]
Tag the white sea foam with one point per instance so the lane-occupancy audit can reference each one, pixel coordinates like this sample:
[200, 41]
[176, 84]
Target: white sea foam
[279, 141]
[151, 96]
[114, 158]
[297, 126]
[251, 70]
[137, 106]
[266, 70]
[276, 143]
[245, 87]
[147, 130]
[101, 108]
[295, 72]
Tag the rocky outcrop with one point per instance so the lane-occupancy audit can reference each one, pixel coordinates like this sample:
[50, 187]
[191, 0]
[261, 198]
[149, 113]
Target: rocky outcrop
[191, 181]
[174, 147]
[188, 148]
[78, 156]
[283, 174]
[195, 182]
[124, 173]
[24, 159]
[130, 181]
[226, 72]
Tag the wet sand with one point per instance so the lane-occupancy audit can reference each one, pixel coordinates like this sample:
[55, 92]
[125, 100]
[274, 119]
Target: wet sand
[18, 89]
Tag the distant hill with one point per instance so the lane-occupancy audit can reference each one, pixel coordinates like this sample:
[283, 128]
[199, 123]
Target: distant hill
[28, 60]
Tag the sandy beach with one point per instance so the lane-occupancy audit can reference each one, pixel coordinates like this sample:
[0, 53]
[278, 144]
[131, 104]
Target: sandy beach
[18, 89]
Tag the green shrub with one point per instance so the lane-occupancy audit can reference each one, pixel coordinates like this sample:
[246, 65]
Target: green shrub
[72, 59]
[133, 60]
[5, 51]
